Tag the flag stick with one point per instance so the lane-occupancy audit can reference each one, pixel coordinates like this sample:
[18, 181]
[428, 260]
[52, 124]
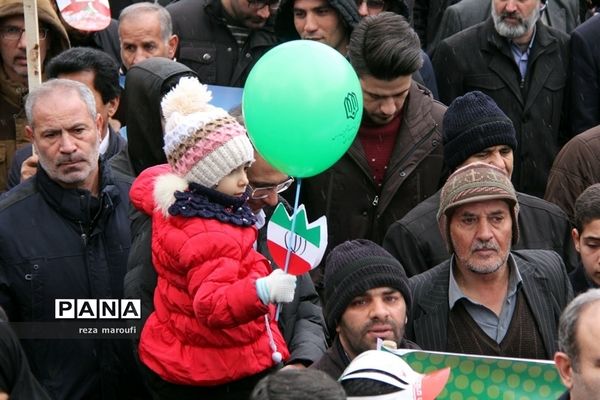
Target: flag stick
[292, 239]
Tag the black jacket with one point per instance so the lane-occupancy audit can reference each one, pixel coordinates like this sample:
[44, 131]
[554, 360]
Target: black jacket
[417, 243]
[58, 243]
[207, 46]
[146, 83]
[16, 378]
[479, 58]
[581, 283]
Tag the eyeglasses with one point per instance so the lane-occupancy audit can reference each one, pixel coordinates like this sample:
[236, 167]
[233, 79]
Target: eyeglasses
[372, 4]
[265, 191]
[14, 33]
[260, 4]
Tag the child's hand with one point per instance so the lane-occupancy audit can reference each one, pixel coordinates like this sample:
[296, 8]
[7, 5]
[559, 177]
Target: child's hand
[278, 287]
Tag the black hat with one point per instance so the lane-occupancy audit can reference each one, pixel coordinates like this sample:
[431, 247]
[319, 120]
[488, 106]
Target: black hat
[472, 123]
[354, 267]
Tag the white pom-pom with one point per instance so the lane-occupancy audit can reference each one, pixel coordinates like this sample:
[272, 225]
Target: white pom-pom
[277, 357]
[189, 96]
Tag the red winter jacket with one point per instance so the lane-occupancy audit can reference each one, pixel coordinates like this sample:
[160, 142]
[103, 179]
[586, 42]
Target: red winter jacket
[209, 326]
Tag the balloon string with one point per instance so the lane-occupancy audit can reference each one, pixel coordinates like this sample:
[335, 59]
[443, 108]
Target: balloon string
[292, 239]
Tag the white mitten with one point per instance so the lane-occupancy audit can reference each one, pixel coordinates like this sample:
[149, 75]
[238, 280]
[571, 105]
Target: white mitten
[278, 287]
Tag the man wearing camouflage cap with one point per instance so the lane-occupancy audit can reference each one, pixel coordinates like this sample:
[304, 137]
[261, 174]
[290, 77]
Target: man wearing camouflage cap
[487, 299]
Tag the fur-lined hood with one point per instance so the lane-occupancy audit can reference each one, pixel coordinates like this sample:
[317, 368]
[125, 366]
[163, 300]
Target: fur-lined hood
[154, 189]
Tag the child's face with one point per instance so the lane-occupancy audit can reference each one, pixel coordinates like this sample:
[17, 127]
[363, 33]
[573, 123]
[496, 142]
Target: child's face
[235, 183]
[587, 243]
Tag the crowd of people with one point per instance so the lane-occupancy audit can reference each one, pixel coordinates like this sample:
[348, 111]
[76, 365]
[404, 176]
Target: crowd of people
[463, 218]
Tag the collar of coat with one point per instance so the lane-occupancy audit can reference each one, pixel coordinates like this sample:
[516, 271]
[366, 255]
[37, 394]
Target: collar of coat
[75, 204]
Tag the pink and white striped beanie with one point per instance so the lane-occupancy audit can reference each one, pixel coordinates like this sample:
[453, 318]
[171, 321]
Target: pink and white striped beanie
[203, 143]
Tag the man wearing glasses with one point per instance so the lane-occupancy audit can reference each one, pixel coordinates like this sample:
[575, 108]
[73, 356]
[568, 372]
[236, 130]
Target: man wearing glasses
[13, 71]
[301, 321]
[221, 40]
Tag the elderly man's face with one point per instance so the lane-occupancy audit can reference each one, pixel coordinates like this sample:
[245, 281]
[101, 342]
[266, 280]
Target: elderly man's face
[583, 378]
[378, 313]
[481, 234]
[141, 38]
[13, 48]
[66, 139]
[515, 18]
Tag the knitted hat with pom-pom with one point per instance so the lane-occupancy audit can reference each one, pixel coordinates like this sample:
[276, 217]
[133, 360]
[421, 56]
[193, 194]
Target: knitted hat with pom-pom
[203, 143]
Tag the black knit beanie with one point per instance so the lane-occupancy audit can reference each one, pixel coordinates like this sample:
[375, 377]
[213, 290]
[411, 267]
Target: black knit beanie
[354, 267]
[472, 123]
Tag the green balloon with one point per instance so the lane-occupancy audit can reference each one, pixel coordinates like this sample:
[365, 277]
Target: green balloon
[302, 106]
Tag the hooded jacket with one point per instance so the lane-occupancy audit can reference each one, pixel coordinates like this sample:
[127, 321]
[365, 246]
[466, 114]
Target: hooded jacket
[209, 326]
[284, 22]
[145, 85]
[12, 94]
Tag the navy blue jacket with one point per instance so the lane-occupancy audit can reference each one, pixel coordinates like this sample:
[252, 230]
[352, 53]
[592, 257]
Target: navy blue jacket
[58, 243]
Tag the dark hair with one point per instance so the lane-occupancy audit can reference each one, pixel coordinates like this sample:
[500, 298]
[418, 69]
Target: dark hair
[587, 207]
[298, 384]
[367, 387]
[78, 59]
[385, 47]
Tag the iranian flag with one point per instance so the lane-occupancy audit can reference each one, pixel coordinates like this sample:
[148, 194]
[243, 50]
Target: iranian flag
[307, 244]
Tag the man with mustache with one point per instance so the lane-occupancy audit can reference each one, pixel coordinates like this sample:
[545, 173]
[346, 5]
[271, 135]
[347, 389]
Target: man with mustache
[559, 14]
[64, 234]
[522, 64]
[475, 129]
[487, 299]
[367, 298]
[221, 40]
[13, 71]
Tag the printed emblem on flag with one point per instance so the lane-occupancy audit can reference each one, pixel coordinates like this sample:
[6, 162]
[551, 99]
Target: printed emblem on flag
[307, 245]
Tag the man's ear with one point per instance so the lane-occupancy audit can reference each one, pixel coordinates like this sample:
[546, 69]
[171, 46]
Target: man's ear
[173, 42]
[29, 133]
[565, 368]
[575, 236]
[112, 106]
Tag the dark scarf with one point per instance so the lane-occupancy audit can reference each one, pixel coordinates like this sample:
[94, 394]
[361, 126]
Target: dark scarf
[200, 201]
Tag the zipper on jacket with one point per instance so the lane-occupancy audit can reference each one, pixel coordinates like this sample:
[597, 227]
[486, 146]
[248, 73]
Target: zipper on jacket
[83, 234]
[376, 201]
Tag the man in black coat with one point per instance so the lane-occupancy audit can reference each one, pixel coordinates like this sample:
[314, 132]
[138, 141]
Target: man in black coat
[64, 234]
[475, 129]
[221, 40]
[559, 14]
[522, 64]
